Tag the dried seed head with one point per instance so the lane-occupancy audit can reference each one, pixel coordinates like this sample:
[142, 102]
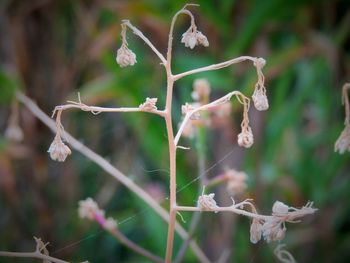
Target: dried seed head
[343, 142]
[207, 202]
[192, 38]
[245, 138]
[255, 231]
[88, 209]
[279, 208]
[149, 104]
[201, 90]
[125, 57]
[58, 150]
[260, 100]
[14, 132]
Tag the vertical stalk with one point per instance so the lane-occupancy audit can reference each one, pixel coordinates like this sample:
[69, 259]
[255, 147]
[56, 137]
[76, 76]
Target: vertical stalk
[172, 160]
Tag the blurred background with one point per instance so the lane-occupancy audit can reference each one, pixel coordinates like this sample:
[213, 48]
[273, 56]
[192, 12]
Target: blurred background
[53, 49]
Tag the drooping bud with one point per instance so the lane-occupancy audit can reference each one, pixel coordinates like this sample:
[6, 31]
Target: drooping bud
[125, 57]
[192, 37]
[343, 142]
[260, 100]
[58, 150]
[255, 231]
[245, 138]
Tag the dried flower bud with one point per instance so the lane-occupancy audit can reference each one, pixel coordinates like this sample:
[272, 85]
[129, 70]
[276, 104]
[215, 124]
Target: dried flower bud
[58, 150]
[245, 138]
[149, 104]
[255, 231]
[189, 39]
[14, 133]
[192, 38]
[343, 142]
[236, 181]
[207, 202]
[201, 90]
[88, 209]
[279, 208]
[273, 229]
[202, 39]
[260, 100]
[125, 57]
[188, 108]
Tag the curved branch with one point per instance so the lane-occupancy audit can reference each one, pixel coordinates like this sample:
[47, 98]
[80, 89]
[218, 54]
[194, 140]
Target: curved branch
[171, 31]
[215, 66]
[212, 104]
[137, 32]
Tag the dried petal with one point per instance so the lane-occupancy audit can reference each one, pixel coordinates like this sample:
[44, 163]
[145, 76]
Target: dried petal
[125, 57]
[245, 138]
[343, 142]
[58, 150]
[279, 208]
[255, 231]
[273, 229]
[192, 38]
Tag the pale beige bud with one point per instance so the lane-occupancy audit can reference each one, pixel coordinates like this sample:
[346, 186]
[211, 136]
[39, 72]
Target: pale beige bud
[245, 138]
[14, 133]
[88, 208]
[260, 100]
[149, 104]
[58, 150]
[343, 142]
[202, 39]
[279, 208]
[207, 202]
[125, 57]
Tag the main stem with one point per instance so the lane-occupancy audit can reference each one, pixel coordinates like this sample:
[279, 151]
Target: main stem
[172, 160]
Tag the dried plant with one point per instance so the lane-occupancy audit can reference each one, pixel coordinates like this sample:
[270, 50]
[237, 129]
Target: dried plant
[269, 227]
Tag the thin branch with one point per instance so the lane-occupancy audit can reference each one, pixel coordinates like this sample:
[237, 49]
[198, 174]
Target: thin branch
[212, 104]
[96, 110]
[215, 66]
[137, 32]
[110, 169]
[171, 31]
[133, 246]
[35, 254]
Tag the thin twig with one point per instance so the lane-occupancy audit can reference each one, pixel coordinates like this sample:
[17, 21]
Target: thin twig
[137, 32]
[215, 66]
[35, 254]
